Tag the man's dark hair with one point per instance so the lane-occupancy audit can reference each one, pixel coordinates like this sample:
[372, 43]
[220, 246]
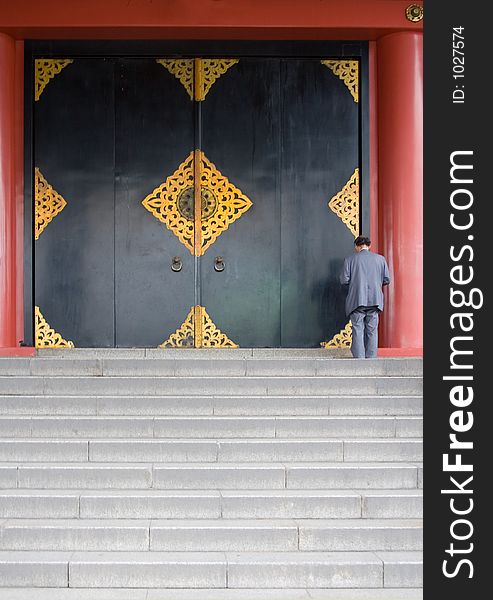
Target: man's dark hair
[362, 240]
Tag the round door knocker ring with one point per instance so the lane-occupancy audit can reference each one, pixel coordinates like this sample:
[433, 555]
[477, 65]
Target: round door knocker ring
[176, 264]
[414, 13]
[219, 264]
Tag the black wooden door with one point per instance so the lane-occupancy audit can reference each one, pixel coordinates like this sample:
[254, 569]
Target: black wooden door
[154, 135]
[320, 154]
[108, 271]
[74, 203]
[124, 256]
[286, 132]
[240, 135]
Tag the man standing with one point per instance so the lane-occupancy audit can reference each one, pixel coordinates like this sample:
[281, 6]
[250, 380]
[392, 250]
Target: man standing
[364, 273]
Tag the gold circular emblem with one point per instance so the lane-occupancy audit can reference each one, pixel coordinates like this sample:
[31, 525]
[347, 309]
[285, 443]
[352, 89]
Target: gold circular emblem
[186, 204]
[414, 13]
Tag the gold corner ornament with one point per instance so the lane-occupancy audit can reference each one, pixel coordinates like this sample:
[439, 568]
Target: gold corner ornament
[182, 69]
[44, 71]
[48, 203]
[197, 75]
[46, 336]
[221, 203]
[208, 335]
[342, 339]
[348, 72]
[198, 330]
[414, 13]
[212, 69]
[184, 336]
[345, 204]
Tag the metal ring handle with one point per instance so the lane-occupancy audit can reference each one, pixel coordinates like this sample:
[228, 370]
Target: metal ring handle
[176, 264]
[219, 264]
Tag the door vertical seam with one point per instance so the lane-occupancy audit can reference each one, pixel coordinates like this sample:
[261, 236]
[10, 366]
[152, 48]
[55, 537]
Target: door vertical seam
[279, 179]
[115, 83]
[197, 157]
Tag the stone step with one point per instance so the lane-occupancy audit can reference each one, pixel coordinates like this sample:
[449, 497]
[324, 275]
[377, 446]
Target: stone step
[192, 504]
[218, 535]
[199, 450]
[74, 534]
[323, 570]
[211, 569]
[359, 535]
[180, 353]
[210, 476]
[207, 366]
[110, 504]
[353, 475]
[211, 386]
[210, 427]
[29, 450]
[319, 504]
[208, 405]
[214, 594]
[409, 449]
[283, 536]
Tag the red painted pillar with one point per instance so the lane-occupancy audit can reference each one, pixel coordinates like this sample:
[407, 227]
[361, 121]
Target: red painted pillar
[400, 185]
[372, 71]
[7, 194]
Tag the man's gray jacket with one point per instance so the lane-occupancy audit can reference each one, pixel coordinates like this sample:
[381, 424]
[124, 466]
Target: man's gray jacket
[364, 272]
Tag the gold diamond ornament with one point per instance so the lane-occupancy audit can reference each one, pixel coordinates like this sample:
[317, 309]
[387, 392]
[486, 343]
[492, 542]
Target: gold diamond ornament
[345, 204]
[222, 203]
[48, 203]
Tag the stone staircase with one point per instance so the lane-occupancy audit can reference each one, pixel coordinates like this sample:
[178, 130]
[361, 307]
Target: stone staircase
[210, 474]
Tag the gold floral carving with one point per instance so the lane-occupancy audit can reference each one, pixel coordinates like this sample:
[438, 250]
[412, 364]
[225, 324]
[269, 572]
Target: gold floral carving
[345, 204]
[182, 69]
[342, 339]
[212, 337]
[222, 203]
[210, 70]
[198, 330]
[231, 203]
[45, 336]
[44, 71]
[184, 335]
[348, 72]
[47, 203]
[163, 202]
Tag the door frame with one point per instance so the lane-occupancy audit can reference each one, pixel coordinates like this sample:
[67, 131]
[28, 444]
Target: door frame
[189, 49]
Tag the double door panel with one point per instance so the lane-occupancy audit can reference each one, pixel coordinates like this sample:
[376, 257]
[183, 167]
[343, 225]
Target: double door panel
[294, 130]
[132, 260]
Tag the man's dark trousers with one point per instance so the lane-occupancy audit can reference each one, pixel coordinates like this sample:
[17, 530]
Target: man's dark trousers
[365, 332]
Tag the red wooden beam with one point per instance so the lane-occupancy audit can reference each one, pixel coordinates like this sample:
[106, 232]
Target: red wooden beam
[222, 19]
